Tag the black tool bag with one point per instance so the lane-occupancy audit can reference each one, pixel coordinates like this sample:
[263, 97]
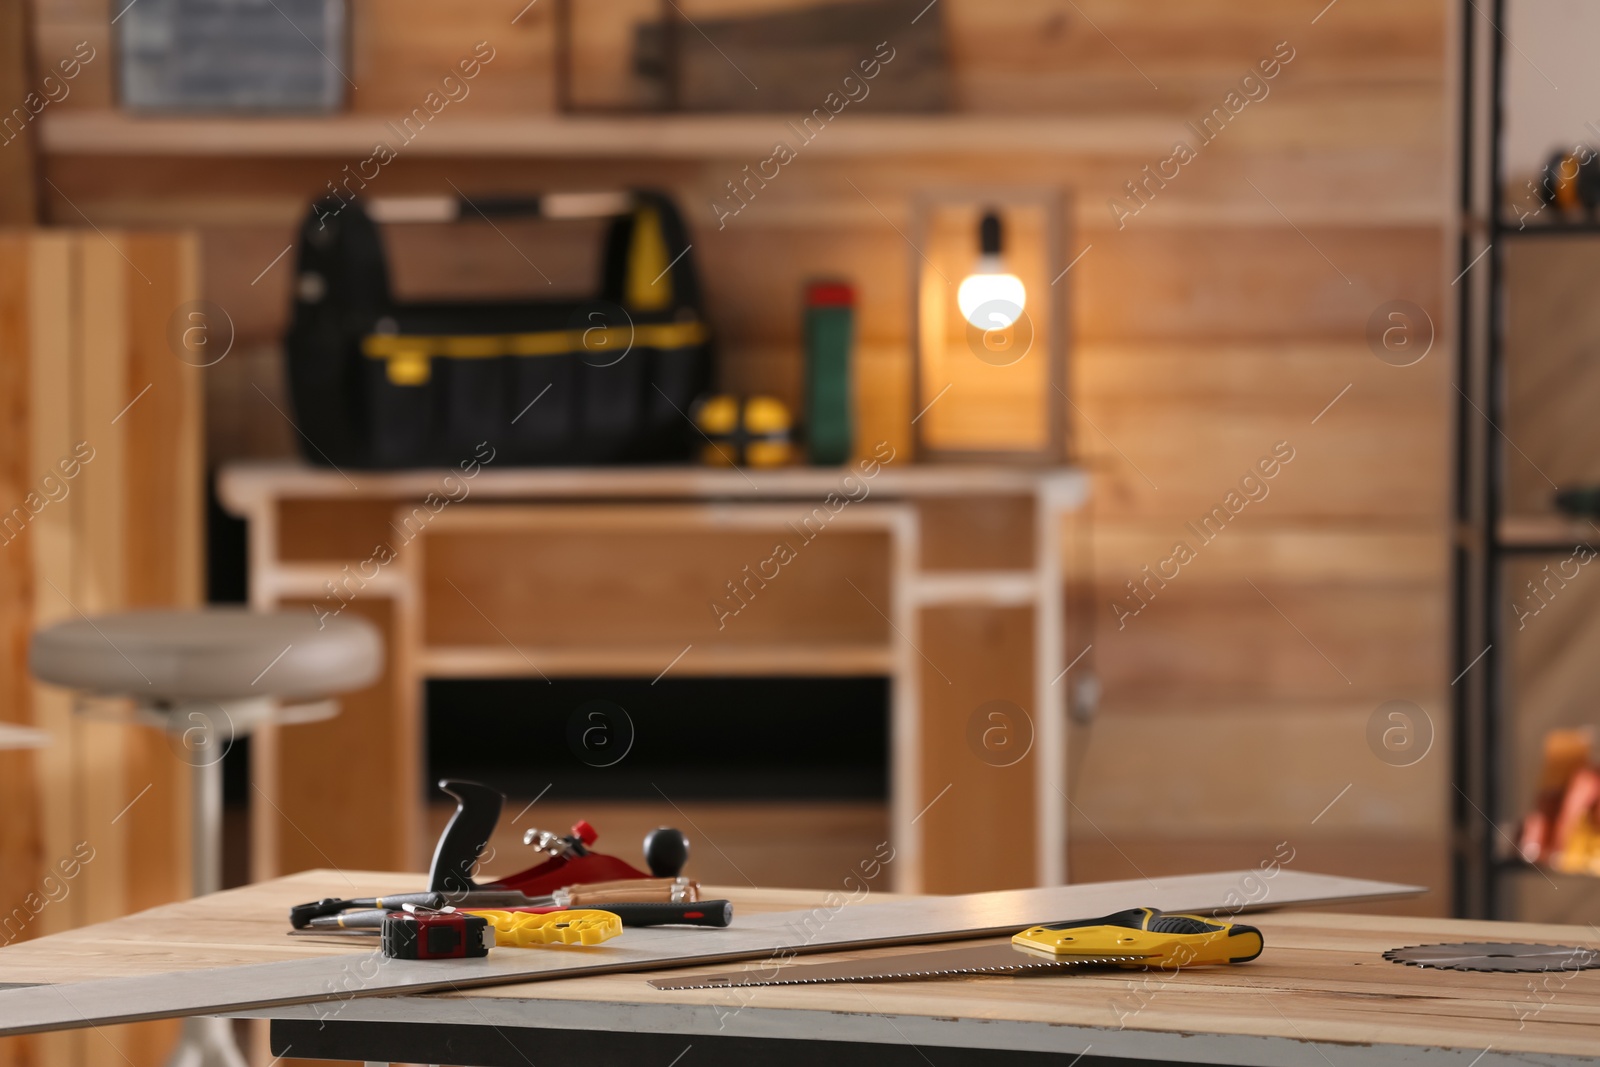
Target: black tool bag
[381, 384]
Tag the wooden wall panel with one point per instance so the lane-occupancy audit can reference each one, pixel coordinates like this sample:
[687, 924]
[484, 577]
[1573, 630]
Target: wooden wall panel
[85, 315]
[21, 838]
[1175, 429]
[1551, 321]
[1224, 317]
[19, 164]
[1028, 55]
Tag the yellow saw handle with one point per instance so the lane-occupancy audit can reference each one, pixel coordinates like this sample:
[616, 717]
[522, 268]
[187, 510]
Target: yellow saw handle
[523, 929]
[1160, 939]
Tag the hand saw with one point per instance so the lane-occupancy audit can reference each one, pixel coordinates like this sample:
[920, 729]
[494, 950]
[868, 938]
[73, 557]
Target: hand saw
[1138, 937]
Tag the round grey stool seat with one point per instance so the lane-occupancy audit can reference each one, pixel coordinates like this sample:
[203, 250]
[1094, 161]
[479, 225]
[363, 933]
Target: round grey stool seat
[211, 674]
[208, 654]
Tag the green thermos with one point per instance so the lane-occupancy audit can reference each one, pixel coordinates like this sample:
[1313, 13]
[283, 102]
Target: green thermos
[829, 334]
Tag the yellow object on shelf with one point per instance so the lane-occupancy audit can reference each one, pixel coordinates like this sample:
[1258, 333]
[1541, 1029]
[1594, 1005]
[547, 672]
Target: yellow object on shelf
[527, 929]
[745, 432]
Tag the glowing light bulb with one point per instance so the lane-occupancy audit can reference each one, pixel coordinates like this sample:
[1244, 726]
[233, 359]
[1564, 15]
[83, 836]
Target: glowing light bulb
[991, 298]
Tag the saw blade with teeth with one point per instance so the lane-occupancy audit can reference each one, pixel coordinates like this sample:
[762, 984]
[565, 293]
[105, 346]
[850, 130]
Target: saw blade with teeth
[981, 959]
[1496, 956]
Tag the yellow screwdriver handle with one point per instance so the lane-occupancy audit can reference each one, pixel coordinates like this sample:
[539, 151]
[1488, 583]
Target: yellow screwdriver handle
[525, 929]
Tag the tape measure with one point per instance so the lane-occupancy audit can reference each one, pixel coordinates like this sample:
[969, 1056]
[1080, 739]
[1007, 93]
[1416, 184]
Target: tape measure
[449, 934]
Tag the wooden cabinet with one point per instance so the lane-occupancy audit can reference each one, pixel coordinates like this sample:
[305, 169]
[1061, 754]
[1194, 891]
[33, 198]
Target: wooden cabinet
[946, 580]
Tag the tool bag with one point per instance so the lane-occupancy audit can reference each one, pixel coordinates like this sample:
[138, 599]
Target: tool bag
[381, 384]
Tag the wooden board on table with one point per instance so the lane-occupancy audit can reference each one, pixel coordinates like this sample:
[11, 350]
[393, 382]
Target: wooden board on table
[232, 923]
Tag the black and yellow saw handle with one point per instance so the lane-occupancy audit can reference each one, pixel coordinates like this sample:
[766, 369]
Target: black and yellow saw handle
[1159, 939]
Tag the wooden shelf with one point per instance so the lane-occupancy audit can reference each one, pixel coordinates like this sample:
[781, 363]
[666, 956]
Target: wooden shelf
[995, 588]
[14, 736]
[244, 485]
[622, 661]
[1546, 533]
[113, 133]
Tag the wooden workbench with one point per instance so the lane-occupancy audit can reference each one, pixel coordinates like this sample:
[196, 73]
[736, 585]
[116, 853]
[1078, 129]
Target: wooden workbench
[944, 579]
[1320, 995]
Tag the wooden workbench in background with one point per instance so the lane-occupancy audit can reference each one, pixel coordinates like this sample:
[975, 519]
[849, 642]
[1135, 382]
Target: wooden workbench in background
[944, 579]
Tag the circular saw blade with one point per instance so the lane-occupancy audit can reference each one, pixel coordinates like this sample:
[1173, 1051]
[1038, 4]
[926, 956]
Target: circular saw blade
[1496, 956]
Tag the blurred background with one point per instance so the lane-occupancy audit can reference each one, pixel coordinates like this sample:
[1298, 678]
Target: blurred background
[1067, 440]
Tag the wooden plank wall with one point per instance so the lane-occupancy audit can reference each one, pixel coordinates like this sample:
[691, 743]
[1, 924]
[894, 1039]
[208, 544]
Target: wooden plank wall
[90, 382]
[1228, 315]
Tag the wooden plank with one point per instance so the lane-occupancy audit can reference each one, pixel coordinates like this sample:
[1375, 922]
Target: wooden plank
[977, 533]
[1154, 407]
[1230, 641]
[163, 534]
[978, 764]
[693, 576]
[305, 979]
[375, 795]
[1262, 284]
[1319, 760]
[21, 835]
[401, 52]
[1549, 331]
[89, 548]
[19, 180]
[1033, 55]
[645, 661]
[101, 572]
[244, 485]
[54, 304]
[54, 536]
[333, 531]
[672, 137]
[1393, 552]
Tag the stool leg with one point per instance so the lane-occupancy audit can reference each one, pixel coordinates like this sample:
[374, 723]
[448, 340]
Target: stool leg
[206, 1041]
[205, 832]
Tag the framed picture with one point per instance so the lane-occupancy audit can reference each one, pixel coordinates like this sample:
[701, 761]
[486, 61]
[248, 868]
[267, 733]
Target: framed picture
[232, 55]
[717, 56]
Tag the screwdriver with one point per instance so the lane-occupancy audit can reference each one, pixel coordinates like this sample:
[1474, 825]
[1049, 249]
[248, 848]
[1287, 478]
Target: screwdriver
[680, 889]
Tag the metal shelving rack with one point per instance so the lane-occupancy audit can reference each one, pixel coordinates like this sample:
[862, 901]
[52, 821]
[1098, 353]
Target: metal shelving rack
[1486, 539]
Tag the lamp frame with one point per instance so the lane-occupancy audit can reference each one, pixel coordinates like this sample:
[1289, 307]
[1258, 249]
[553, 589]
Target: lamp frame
[1056, 203]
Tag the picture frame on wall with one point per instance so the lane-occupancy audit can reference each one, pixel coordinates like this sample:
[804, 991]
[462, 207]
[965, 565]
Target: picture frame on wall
[642, 56]
[232, 56]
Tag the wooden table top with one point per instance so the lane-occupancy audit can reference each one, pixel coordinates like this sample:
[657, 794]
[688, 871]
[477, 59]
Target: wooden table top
[1320, 994]
[245, 485]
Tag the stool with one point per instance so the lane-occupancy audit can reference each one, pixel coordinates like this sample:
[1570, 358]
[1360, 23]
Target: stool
[206, 676]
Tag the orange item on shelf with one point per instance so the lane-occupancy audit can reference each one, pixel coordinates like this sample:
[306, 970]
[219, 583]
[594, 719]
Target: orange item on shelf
[1563, 830]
